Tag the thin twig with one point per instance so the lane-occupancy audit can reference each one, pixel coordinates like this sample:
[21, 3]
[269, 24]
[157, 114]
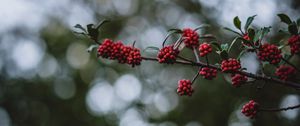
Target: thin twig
[279, 109]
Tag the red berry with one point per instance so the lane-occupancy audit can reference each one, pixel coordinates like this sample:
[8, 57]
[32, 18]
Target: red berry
[204, 49]
[191, 38]
[294, 43]
[208, 73]
[116, 49]
[270, 53]
[185, 87]
[250, 109]
[167, 55]
[285, 72]
[105, 49]
[238, 79]
[124, 53]
[230, 65]
[134, 58]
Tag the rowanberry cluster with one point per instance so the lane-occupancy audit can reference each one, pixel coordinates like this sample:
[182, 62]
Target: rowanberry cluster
[167, 55]
[185, 87]
[294, 43]
[205, 49]
[191, 38]
[238, 79]
[250, 109]
[285, 72]
[208, 73]
[269, 52]
[119, 51]
[230, 65]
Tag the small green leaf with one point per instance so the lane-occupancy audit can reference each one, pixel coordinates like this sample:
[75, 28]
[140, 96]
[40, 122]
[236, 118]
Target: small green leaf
[293, 29]
[261, 33]
[92, 32]
[224, 46]
[237, 22]
[152, 48]
[228, 29]
[249, 21]
[284, 18]
[175, 30]
[91, 48]
[251, 33]
[216, 45]
[224, 54]
[80, 27]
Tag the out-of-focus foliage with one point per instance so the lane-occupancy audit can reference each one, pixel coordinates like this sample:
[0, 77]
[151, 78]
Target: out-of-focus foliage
[49, 79]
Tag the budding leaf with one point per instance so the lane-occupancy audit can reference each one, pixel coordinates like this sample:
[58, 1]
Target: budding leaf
[237, 22]
[228, 29]
[293, 29]
[249, 21]
[284, 18]
[224, 46]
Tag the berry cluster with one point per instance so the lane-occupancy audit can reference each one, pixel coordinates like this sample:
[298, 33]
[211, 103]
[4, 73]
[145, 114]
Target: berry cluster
[185, 87]
[238, 79]
[285, 72]
[191, 38]
[123, 53]
[204, 49]
[167, 55]
[269, 52]
[208, 73]
[230, 65]
[294, 43]
[250, 109]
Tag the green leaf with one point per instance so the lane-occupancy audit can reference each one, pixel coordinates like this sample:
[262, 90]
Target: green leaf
[92, 32]
[91, 48]
[298, 22]
[282, 46]
[293, 29]
[251, 33]
[284, 18]
[80, 27]
[224, 54]
[283, 31]
[175, 30]
[224, 46]
[232, 43]
[152, 48]
[237, 22]
[261, 33]
[101, 23]
[249, 21]
[241, 54]
[216, 45]
[228, 29]
[202, 26]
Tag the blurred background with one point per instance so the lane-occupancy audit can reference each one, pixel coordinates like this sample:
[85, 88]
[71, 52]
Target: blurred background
[47, 78]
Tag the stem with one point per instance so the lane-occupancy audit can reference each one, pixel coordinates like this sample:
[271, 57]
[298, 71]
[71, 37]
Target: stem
[288, 62]
[279, 109]
[255, 76]
[198, 61]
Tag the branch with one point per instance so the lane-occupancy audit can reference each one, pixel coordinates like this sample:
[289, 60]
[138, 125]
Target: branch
[255, 76]
[288, 62]
[279, 109]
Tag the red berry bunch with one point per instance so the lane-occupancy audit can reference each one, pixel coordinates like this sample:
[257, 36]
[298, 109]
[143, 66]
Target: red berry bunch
[250, 109]
[269, 52]
[294, 43]
[119, 51]
[106, 48]
[204, 49]
[208, 73]
[238, 79]
[167, 55]
[134, 57]
[284, 72]
[230, 65]
[185, 87]
[191, 38]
